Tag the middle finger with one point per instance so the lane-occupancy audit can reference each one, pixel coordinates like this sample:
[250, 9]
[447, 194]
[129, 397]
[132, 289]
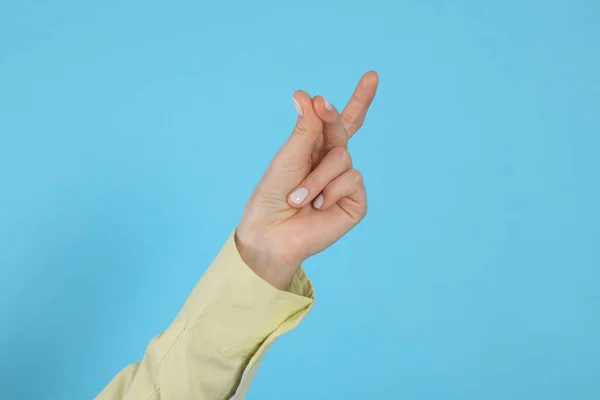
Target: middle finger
[334, 132]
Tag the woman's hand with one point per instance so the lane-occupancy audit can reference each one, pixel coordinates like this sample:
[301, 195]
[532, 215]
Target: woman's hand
[310, 195]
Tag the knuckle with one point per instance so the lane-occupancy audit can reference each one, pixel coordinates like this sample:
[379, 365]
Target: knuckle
[357, 176]
[314, 182]
[300, 129]
[310, 183]
[348, 120]
[353, 122]
[294, 166]
[341, 155]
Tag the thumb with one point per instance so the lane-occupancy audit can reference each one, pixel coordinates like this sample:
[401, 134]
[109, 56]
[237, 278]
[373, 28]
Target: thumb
[296, 151]
[292, 163]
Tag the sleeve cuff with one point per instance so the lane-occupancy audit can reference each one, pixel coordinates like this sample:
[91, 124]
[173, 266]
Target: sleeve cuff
[237, 309]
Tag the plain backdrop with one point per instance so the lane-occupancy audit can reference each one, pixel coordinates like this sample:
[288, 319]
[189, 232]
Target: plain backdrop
[133, 132]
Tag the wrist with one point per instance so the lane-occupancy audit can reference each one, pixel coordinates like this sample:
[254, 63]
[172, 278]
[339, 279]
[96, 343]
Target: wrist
[264, 262]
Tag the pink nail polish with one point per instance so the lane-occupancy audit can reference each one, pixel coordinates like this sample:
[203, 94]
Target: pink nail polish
[298, 107]
[319, 201]
[299, 195]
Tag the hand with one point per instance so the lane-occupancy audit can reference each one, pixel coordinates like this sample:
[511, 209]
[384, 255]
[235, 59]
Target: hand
[310, 195]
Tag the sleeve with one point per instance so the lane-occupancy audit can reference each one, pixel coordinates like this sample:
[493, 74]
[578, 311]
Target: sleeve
[213, 348]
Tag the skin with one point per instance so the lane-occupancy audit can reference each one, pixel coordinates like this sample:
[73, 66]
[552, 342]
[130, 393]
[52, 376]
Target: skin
[275, 235]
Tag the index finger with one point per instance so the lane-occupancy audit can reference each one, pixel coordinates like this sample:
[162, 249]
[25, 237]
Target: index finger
[355, 111]
[334, 132]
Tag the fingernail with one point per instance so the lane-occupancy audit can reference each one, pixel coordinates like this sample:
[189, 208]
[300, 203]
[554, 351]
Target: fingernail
[298, 106]
[299, 195]
[328, 105]
[318, 201]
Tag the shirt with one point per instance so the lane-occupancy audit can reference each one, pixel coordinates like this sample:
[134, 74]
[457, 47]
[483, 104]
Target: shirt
[213, 348]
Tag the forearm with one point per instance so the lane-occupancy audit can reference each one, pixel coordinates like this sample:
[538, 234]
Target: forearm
[214, 346]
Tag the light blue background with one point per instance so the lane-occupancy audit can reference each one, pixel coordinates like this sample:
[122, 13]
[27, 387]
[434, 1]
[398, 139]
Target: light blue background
[132, 133]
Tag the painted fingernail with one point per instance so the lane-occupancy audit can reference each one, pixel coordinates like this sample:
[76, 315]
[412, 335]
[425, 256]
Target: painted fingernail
[299, 195]
[318, 201]
[298, 106]
[328, 105]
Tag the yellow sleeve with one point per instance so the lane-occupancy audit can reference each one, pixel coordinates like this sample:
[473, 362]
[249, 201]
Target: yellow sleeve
[213, 348]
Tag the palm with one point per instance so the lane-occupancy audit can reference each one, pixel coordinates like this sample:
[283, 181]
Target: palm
[307, 229]
[318, 230]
